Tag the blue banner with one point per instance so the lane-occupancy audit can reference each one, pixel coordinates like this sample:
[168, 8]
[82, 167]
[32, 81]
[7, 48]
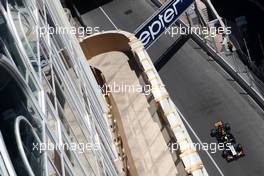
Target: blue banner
[157, 24]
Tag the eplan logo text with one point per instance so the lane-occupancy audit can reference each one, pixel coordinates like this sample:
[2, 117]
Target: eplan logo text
[150, 31]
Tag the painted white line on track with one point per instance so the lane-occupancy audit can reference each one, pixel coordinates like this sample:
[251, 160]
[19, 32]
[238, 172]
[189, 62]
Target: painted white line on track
[199, 140]
[108, 17]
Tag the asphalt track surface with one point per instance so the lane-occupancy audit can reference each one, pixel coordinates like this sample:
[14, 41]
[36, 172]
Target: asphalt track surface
[202, 91]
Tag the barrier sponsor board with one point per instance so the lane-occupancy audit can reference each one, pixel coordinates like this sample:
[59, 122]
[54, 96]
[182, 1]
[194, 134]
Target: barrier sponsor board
[151, 30]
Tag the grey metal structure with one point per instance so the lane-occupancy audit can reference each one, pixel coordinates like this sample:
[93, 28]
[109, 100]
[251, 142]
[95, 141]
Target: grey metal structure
[52, 113]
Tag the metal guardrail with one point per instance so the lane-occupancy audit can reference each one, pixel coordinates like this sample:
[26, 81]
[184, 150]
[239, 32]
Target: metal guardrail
[244, 58]
[228, 68]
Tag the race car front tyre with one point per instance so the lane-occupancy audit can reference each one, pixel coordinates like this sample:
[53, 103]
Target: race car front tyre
[227, 127]
[225, 154]
[213, 132]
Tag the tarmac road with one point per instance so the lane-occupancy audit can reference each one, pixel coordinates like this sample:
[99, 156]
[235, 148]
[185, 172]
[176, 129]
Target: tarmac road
[201, 90]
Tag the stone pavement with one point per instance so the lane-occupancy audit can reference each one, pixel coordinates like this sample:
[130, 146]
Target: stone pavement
[140, 129]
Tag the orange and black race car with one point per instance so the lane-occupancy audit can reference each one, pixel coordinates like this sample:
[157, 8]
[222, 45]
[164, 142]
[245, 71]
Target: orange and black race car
[232, 150]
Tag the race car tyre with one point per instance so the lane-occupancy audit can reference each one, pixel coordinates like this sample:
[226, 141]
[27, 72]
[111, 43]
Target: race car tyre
[225, 154]
[213, 132]
[227, 127]
[238, 147]
[232, 138]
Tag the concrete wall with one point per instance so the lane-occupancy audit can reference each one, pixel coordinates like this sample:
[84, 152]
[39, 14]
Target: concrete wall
[105, 42]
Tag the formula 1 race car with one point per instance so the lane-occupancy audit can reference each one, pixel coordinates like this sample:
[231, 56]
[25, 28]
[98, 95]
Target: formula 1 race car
[232, 150]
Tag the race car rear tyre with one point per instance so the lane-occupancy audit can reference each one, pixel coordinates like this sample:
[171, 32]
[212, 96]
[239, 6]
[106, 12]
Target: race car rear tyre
[238, 147]
[225, 154]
